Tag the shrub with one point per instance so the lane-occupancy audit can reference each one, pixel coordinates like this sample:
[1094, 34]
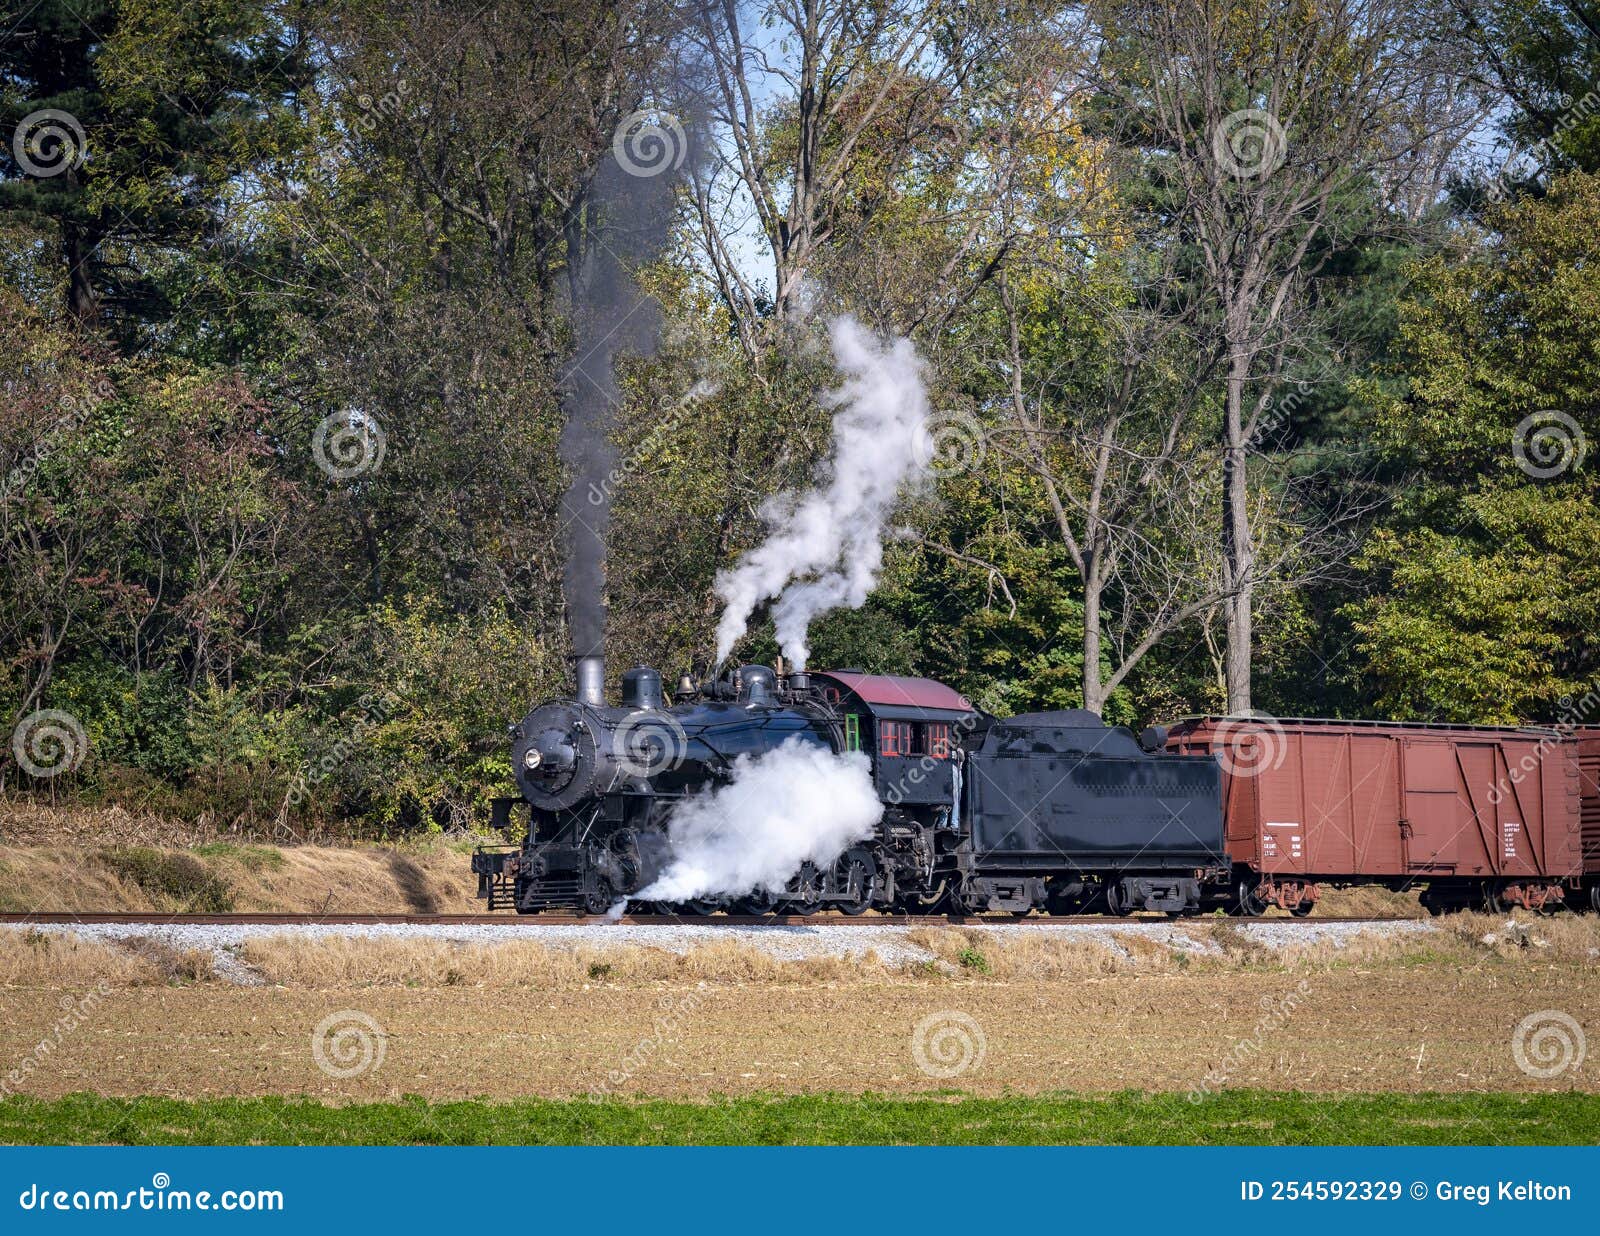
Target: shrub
[174, 877]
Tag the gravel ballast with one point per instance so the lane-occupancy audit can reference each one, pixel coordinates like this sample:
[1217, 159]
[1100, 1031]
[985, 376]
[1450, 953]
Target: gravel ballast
[786, 942]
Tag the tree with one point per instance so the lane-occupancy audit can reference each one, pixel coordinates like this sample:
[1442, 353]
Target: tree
[1265, 115]
[1486, 582]
[134, 120]
[1543, 56]
[861, 116]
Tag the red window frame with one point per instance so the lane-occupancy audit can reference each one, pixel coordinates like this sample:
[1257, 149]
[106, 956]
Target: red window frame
[936, 739]
[894, 738]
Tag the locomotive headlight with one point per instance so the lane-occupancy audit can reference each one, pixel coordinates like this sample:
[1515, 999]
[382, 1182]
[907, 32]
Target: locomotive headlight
[532, 759]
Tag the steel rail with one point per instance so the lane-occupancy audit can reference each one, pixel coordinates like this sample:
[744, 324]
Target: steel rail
[154, 919]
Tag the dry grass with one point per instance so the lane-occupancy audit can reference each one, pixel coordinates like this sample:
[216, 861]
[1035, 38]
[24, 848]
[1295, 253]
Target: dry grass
[57, 960]
[250, 877]
[344, 961]
[958, 955]
[1369, 902]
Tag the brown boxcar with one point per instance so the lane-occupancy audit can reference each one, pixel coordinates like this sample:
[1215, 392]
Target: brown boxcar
[1587, 742]
[1473, 815]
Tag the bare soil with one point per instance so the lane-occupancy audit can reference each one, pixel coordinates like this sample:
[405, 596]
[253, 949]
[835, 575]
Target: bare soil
[1392, 1025]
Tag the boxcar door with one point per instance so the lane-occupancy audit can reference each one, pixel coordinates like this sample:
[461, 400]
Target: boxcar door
[1432, 821]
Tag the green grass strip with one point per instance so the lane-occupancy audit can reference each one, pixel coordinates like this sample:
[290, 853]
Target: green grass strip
[1129, 1118]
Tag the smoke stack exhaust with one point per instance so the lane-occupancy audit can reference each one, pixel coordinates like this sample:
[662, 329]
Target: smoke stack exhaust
[592, 681]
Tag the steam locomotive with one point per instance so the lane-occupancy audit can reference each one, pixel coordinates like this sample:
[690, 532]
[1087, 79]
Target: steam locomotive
[1045, 811]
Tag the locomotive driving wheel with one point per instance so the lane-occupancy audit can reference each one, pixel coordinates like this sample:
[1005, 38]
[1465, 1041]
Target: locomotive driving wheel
[806, 892]
[856, 871]
[761, 901]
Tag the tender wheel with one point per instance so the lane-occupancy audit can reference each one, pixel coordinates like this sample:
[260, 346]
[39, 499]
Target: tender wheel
[1117, 904]
[1245, 899]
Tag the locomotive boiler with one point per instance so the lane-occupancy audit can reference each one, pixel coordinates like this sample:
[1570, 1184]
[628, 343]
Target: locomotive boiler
[1053, 811]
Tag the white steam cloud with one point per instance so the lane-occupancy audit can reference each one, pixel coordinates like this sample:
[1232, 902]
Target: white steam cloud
[793, 804]
[825, 546]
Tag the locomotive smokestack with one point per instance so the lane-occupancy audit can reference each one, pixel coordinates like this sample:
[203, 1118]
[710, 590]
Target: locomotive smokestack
[592, 680]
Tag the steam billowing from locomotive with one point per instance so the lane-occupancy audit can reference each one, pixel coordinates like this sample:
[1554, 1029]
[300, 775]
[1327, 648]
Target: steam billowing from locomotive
[825, 546]
[793, 805]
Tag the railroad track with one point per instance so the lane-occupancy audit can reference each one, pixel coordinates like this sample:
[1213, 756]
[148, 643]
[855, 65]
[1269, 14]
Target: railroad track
[636, 920]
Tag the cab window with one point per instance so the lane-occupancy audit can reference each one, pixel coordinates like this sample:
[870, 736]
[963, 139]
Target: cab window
[895, 738]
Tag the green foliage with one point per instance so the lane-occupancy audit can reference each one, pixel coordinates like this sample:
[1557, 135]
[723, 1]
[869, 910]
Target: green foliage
[1486, 586]
[1127, 1118]
[1545, 54]
[971, 959]
[273, 228]
[252, 857]
[175, 100]
[179, 880]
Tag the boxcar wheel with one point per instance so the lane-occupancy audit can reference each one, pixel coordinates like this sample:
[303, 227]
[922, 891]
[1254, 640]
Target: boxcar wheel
[1303, 910]
[1246, 901]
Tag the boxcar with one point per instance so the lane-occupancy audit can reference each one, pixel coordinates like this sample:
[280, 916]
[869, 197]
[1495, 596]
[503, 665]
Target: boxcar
[1587, 743]
[1475, 816]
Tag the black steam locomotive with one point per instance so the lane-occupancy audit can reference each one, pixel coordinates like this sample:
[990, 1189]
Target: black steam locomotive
[1051, 811]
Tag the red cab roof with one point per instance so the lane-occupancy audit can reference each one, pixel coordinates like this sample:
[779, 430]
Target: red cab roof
[892, 691]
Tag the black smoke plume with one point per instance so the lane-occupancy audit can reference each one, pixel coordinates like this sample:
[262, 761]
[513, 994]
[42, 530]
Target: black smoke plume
[631, 208]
